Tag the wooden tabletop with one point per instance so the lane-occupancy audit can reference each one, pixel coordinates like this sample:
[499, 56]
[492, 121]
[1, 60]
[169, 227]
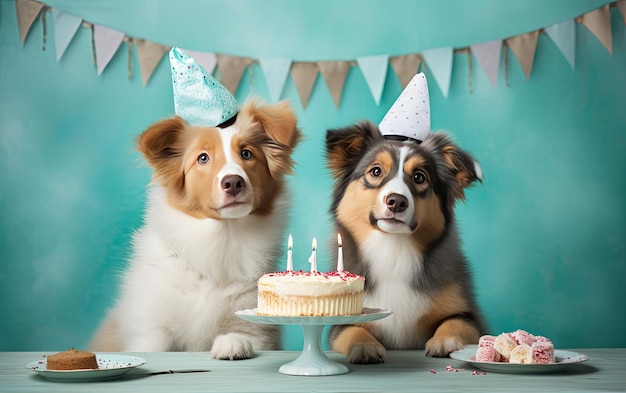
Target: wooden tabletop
[404, 371]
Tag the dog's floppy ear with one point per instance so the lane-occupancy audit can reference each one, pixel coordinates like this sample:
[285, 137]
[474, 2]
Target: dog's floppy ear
[163, 147]
[459, 164]
[345, 146]
[280, 124]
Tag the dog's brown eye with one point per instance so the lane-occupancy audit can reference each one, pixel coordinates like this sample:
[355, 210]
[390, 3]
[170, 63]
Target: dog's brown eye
[203, 158]
[419, 177]
[376, 171]
[246, 154]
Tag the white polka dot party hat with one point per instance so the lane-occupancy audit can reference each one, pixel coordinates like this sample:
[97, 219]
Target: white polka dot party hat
[409, 116]
[198, 97]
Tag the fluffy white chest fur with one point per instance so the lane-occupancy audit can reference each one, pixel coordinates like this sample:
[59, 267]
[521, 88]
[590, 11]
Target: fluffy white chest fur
[187, 276]
[392, 273]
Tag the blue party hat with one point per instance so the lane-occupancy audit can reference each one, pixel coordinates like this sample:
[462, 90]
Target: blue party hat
[198, 97]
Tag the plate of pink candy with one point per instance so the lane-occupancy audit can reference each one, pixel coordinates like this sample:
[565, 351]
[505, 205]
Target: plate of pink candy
[517, 352]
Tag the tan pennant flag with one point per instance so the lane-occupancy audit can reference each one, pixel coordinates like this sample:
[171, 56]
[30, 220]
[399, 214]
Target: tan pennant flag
[621, 6]
[524, 46]
[304, 75]
[406, 67]
[231, 68]
[150, 55]
[599, 23]
[334, 73]
[27, 12]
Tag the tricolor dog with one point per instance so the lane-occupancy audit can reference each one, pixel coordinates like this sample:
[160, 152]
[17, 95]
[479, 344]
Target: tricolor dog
[393, 204]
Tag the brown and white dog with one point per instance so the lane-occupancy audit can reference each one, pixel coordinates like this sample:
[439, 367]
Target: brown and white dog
[393, 204]
[215, 216]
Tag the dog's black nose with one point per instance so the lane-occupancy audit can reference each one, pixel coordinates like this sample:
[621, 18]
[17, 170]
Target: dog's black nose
[233, 184]
[396, 203]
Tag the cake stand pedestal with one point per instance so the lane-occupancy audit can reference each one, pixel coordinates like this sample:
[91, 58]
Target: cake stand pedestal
[312, 360]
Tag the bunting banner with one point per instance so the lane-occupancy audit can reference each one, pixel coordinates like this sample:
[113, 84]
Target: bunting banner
[488, 55]
[150, 55]
[564, 37]
[208, 61]
[374, 70]
[599, 23]
[406, 67]
[106, 42]
[621, 5]
[439, 61]
[524, 47]
[65, 27]
[334, 73]
[276, 72]
[27, 12]
[232, 69]
[304, 76]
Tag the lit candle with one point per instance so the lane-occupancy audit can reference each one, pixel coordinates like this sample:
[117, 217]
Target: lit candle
[289, 254]
[339, 254]
[313, 258]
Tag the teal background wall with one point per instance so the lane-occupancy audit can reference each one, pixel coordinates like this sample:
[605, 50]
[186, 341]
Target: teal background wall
[545, 232]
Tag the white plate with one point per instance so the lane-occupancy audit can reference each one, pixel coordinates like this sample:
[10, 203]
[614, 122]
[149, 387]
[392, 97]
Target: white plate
[111, 367]
[563, 359]
[369, 314]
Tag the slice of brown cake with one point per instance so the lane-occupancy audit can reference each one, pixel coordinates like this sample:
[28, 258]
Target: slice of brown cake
[72, 360]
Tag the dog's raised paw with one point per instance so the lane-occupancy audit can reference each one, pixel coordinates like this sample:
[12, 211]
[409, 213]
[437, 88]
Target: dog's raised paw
[367, 353]
[443, 346]
[232, 346]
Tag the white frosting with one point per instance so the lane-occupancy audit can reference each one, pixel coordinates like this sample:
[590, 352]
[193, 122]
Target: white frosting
[311, 284]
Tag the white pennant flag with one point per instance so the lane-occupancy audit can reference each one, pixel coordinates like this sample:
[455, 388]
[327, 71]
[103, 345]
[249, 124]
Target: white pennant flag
[107, 41]
[65, 27]
[276, 71]
[374, 70]
[564, 37]
[207, 60]
[439, 62]
[488, 55]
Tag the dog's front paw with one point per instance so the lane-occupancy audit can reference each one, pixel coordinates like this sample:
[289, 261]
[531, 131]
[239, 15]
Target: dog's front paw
[232, 346]
[367, 353]
[443, 346]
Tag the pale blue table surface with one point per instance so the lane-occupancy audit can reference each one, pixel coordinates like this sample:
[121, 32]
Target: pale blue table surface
[404, 371]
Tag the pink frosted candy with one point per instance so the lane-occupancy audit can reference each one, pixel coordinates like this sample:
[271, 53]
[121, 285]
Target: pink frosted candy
[523, 337]
[486, 341]
[543, 352]
[542, 339]
[485, 354]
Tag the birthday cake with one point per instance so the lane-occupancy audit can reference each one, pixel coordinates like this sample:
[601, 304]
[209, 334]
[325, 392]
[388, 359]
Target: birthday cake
[72, 360]
[299, 293]
[518, 347]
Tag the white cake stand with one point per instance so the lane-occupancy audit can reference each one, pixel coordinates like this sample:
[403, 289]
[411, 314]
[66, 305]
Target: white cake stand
[313, 361]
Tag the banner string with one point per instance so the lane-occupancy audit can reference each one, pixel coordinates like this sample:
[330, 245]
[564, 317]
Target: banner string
[44, 31]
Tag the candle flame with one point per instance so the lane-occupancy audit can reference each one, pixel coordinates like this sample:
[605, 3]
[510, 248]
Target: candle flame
[339, 242]
[314, 244]
[290, 244]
